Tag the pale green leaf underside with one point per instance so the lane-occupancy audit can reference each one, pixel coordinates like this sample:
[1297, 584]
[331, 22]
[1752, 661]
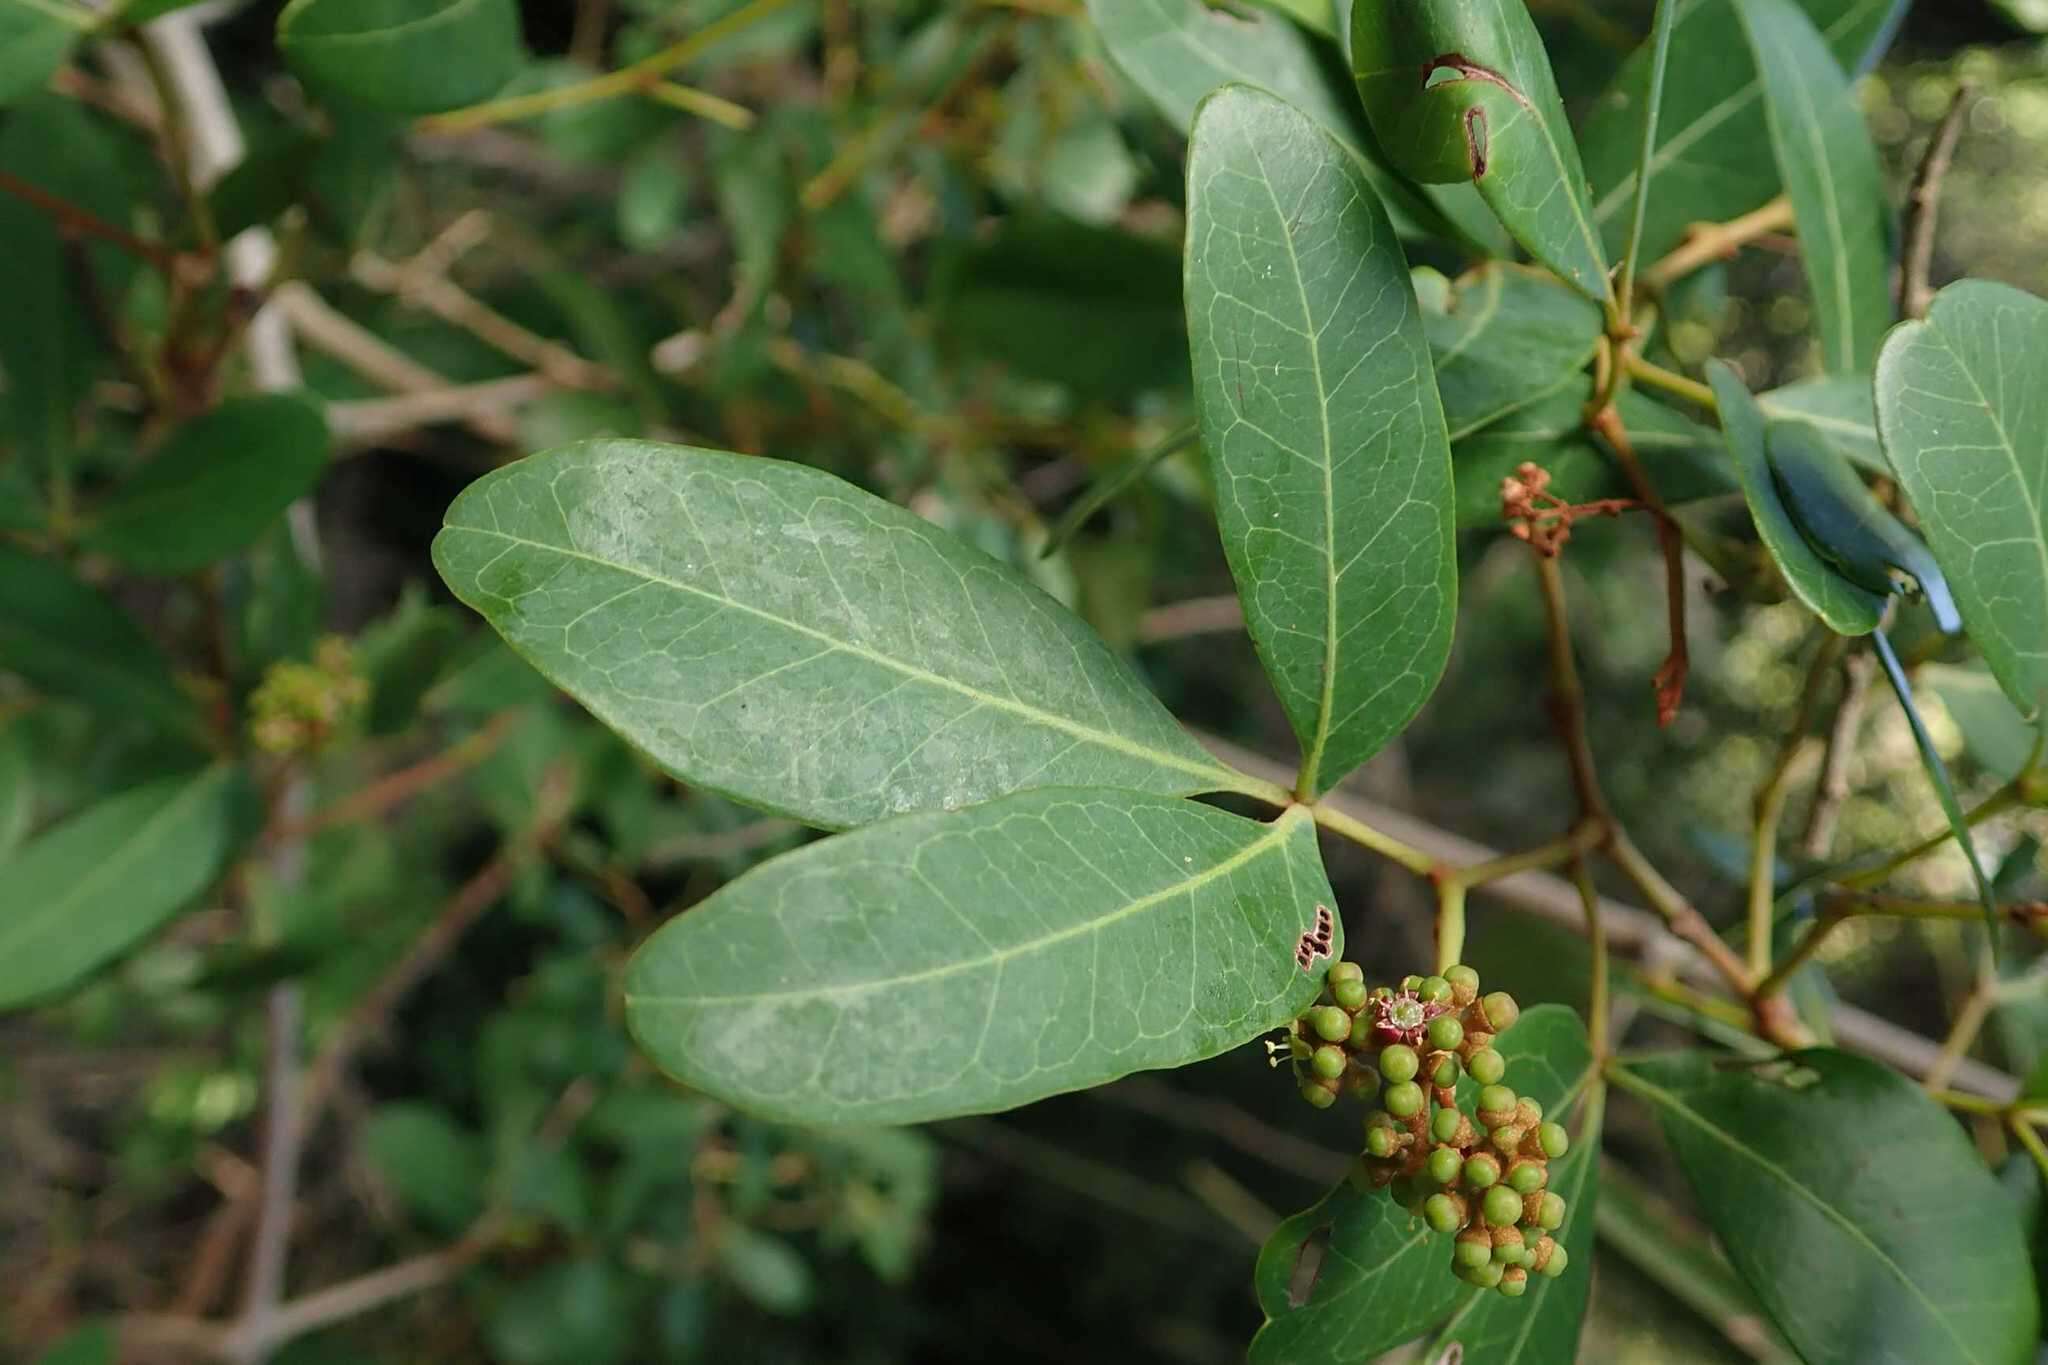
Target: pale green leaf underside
[1713, 158]
[1320, 417]
[1829, 167]
[1852, 1205]
[776, 634]
[1385, 1277]
[1840, 407]
[1846, 608]
[86, 891]
[1962, 404]
[1510, 336]
[966, 961]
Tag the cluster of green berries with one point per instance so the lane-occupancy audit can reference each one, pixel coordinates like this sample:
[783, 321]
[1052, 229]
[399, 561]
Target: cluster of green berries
[1484, 1175]
[298, 708]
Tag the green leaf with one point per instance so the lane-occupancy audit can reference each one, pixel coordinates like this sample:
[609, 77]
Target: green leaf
[1321, 420]
[404, 56]
[1851, 1204]
[71, 641]
[1845, 607]
[1962, 407]
[1509, 336]
[17, 789]
[777, 635]
[1713, 158]
[1384, 1277]
[1541, 1327]
[1111, 484]
[92, 1344]
[434, 1166]
[1998, 737]
[1829, 166]
[1462, 90]
[35, 38]
[1178, 52]
[214, 487]
[766, 1269]
[965, 961]
[1095, 309]
[1840, 407]
[93, 887]
[1684, 460]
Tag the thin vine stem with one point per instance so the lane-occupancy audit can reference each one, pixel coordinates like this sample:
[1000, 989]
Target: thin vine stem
[1364, 835]
[1597, 1007]
[1660, 55]
[1670, 381]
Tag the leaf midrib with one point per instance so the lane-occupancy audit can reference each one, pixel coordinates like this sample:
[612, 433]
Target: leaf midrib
[1105, 738]
[1275, 835]
[1657, 1094]
[1312, 761]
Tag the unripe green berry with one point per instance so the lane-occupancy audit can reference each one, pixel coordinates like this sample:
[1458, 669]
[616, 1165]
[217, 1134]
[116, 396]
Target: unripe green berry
[1527, 1177]
[1486, 1066]
[1507, 1139]
[1404, 1101]
[1528, 1113]
[1497, 1099]
[1411, 984]
[1445, 1032]
[1380, 993]
[1316, 1094]
[1501, 1206]
[1442, 1213]
[1514, 1282]
[1541, 1250]
[1508, 1248]
[1379, 1142]
[1361, 1032]
[1344, 971]
[1552, 1216]
[1554, 1267]
[1474, 1248]
[1349, 995]
[1434, 989]
[1398, 1062]
[1331, 1024]
[1328, 1062]
[1485, 1276]
[1444, 1127]
[1446, 1074]
[1501, 1011]
[1481, 1171]
[1464, 984]
[1444, 1164]
[1554, 1140]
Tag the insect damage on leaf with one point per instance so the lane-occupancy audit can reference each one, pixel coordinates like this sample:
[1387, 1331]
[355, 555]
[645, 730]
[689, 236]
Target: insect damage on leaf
[1463, 68]
[1315, 941]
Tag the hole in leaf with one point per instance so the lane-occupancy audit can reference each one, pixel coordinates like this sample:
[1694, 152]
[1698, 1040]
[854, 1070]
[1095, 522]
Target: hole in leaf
[1308, 1266]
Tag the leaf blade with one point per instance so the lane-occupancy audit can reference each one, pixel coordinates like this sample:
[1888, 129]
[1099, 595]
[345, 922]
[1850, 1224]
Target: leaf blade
[1962, 410]
[35, 38]
[861, 940]
[1927, 1261]
[1842, 605]
[1511, 337]
[390, 55]
[1829, 166]
[829, 707]
[88, 890]
[1343, 423]
[1385, 1277]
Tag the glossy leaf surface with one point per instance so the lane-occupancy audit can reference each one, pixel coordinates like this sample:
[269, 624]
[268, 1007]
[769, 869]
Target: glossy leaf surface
[404, 56]
[1320, 417]
[1843, 605]
[775, 634]
[35, 38]
[1065, 937]
[1852, 1204]
[1829, 167]
[1508, 337]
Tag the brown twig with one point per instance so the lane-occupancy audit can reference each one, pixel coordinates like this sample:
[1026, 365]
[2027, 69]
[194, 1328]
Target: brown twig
[1706, 243]
[1833, 787]
[1196, 616]
[454, 305]
[1670, 678]
[73, 220]
[484, 888]
[1923, 202]
[406, 783]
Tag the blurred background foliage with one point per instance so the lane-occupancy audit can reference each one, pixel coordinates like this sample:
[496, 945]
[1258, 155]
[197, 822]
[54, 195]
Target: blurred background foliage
[934, 248]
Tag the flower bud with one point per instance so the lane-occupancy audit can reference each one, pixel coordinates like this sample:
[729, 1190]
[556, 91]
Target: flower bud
[1527, 1177]
[1398, 1063]
[1446, 1074]
[1349, 995]
[1474, 1248]
[1341, 972]
[1404, 1101]
[1486, 1066]
[1317, 1094]
[1464, 984]
[1442, 1213]
[1328, 1062]
[1444, 1127]
[1445, 1032]
[1554, 1140]
[1501, 1206]
[1329, 1023]
[1480, 1172]
[1514, 1282]
[1444, 1164]
[1435, 990]
[1554, 1267]
[1552, 1216]
[1501, 1011]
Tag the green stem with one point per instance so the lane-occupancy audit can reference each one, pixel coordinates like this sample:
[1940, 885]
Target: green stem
[2000, 801]
[640, 75]
[1597, 1010]
[1657, 377]
[1450, 924]
[1763, 867]
[1802, 953]
[1583, 838]
[1966, 1103]
[1660, 54]
[2023, 1129]
[1364, 835]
